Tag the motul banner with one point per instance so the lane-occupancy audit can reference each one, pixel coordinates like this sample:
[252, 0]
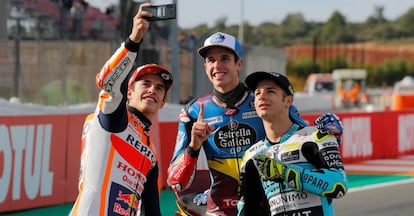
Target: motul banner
[34, 160]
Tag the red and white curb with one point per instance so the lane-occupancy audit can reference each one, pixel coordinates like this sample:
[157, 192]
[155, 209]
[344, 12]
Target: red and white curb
[403, 165]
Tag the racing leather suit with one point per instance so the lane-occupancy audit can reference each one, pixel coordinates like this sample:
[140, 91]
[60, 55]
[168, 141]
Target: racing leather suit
[236, 129]
[119, 169]
[313, 176]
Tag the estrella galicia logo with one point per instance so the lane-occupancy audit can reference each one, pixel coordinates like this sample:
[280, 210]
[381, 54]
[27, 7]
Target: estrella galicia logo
[235, 137]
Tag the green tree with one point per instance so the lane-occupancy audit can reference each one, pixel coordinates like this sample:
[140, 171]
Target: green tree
[267, 34]
[335, 31]
[405, 23]
[329, 64]
[294, 25]
[248, 32]
[220, 23]
[378, 17]
[301, 67]
[376, 27]
[390, 71]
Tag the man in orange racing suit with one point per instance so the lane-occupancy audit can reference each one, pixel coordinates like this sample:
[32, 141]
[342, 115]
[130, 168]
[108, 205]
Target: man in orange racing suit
[119, 168]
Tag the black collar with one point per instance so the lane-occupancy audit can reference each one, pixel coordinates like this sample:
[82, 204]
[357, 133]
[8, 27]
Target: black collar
[232, 97]
[143, 120]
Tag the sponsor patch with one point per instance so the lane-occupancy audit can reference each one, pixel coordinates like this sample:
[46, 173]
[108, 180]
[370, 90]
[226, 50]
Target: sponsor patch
[248, 115]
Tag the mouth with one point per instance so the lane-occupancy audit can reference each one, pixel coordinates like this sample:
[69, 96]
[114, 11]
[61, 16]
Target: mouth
[218, 74]
[149, 99]
[262, 106]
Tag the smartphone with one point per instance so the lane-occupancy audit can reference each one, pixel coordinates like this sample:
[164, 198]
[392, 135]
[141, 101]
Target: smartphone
[161, 12]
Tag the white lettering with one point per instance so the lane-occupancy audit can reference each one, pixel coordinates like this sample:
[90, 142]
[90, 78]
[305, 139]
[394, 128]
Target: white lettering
[47, 175]
[32, 177]
[18, 134]
[230, 202]
[6, 153]
[357, 137]
[405, 133]
[29, 144]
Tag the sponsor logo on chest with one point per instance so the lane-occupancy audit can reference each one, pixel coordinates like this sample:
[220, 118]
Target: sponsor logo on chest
[235, 137]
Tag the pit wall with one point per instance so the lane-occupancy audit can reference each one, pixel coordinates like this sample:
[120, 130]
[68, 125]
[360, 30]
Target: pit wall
[39, 155]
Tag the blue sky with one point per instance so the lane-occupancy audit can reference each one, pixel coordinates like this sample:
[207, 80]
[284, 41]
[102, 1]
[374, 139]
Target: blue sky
[191, 13]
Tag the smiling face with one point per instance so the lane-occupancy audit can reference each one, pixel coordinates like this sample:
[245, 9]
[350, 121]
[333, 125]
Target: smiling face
[271, 101]
[147, 95]
[222, 69]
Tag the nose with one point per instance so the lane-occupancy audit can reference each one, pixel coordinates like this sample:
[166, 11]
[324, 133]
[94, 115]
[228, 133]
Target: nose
[259, 95]
[152, 89]
[217, 64]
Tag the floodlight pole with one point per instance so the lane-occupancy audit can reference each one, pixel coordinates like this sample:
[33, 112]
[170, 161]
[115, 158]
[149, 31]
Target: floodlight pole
[17, 13]
[175, 59]
[241, 26]
[16, 76]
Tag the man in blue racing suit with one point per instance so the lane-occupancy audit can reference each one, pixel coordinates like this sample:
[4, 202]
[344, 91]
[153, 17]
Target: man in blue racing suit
[296, 170]
[229, 110]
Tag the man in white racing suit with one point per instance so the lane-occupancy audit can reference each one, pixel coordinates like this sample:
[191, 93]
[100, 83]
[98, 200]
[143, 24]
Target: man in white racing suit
[296, 170]
[119, 168]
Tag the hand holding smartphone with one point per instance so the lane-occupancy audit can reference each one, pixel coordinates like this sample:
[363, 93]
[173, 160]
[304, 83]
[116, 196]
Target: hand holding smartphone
[161, 12]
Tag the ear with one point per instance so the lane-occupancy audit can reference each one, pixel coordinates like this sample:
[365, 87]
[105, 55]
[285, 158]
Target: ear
[129, 92]
[163, 103]
[239, 65]
[289, 100]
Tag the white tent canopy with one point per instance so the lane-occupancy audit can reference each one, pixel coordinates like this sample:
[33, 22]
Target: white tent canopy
[404, 86]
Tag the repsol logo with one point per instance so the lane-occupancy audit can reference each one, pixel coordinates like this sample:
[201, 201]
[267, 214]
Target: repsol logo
[235, 137]
[141, 147]
[24, 161]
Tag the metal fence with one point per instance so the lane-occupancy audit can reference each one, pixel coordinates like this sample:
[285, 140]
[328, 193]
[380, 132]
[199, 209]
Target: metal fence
[52, 73]
[63, 72]
[58, 67]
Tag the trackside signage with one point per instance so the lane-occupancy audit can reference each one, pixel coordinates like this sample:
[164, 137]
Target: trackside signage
[357, 137]
[26, 150]
[32, 161]
[40, 155]
[375, 135]
[405, 132]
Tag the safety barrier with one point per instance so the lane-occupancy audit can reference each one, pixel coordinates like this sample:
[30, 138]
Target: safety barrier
[39, 155]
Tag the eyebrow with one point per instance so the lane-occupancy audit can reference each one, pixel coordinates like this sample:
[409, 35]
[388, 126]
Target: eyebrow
[220, 55]
[269, 87]
[157, 84]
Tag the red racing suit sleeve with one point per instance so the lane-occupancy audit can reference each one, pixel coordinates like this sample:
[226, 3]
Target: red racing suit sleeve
[183, 165]
[181, 173]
